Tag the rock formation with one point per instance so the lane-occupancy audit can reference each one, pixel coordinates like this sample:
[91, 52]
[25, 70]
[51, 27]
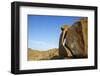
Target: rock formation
[74, 44]
[63, 51]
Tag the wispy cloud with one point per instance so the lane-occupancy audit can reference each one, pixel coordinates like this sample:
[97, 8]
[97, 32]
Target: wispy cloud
[41, 45]
[38, 42]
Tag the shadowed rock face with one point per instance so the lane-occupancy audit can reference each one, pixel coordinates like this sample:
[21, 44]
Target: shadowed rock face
[76, 40]
[62, 50]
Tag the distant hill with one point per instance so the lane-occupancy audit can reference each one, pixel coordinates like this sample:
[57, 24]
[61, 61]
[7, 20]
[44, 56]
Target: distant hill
[42, 55]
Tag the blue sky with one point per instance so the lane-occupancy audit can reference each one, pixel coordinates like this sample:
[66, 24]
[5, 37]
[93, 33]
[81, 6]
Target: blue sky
[44, 31]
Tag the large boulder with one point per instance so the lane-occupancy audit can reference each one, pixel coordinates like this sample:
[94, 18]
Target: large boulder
[62, 49]
[77, 39]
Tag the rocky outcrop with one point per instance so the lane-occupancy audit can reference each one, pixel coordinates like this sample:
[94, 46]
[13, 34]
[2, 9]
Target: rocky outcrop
[76, 40]
[62, 50]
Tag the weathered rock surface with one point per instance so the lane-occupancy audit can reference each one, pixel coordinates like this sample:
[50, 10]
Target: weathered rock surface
[62, 50]
[77, 39]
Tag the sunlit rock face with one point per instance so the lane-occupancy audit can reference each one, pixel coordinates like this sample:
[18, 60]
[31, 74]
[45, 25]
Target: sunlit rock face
[77, 40]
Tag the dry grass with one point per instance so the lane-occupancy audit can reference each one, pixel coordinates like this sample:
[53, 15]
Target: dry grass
[42, 55]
